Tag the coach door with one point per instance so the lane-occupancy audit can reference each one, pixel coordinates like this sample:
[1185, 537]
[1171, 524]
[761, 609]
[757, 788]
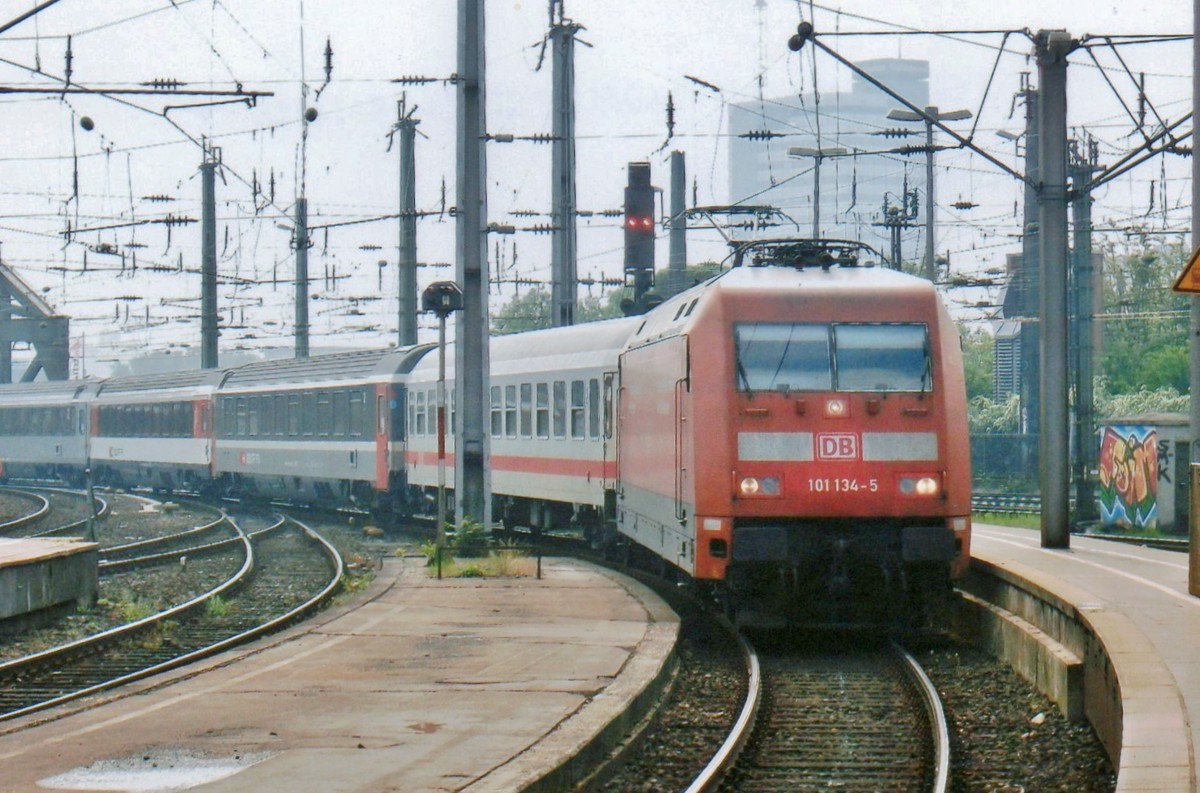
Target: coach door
[609, 407]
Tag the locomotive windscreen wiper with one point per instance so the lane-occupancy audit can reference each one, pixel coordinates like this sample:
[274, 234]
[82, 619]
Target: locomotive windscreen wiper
[741, 373]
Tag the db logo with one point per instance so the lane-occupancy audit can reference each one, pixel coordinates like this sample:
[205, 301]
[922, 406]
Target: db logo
[837, 446]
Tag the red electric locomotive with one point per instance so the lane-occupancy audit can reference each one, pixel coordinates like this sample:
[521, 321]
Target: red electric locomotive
[797, 429]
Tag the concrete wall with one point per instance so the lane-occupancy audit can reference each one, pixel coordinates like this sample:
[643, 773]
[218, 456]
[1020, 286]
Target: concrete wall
[48, 584]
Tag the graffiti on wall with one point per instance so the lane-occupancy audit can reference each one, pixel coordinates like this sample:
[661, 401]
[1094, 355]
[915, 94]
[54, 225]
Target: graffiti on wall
[1129, 469]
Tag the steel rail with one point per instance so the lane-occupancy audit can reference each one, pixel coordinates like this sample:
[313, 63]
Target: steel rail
[712, 774]
[101, 513]
[110, 566]
[937, 718]
[95, 642]
[337, 571]
[152, 541]
[33, 517]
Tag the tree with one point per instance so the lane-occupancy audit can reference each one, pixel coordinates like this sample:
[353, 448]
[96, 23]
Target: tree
[1145, 324]
[531, 311]
[978, 354]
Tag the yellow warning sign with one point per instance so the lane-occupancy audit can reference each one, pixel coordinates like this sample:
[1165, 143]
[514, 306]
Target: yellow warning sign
[1189, 279]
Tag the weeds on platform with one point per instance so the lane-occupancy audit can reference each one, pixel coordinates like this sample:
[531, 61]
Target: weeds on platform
[470, 553]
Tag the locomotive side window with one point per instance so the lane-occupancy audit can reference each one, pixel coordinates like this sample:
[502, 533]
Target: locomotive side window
[782, 357]
[882, 357]
[543, 410]
[526, 410]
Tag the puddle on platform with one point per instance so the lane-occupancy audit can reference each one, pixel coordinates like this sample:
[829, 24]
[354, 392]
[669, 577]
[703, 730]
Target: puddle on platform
[162, 771]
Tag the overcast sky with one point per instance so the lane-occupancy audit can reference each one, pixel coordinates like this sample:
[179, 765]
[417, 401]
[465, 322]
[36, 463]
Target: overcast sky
[639, 52]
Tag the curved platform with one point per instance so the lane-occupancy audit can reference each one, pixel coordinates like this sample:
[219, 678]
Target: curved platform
[1135, 602]
[420, 685]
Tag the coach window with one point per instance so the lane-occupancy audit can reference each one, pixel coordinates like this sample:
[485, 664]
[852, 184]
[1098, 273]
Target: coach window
[228, 416]
[497, 413]
[412, 413]
[543, 410]
[510, 411]
[560, 409]
[356, 410]
[266, 415]
[243, 420]
[594, 408]
[280, 411]
[419, 426]
[252, 416]
[341, 412]
[308, 413]
[526, 410]
[324, 413]
[578, 410]
[294, 410]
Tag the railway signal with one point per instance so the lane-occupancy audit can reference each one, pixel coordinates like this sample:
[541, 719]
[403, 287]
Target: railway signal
[639, 230]
[442, 298]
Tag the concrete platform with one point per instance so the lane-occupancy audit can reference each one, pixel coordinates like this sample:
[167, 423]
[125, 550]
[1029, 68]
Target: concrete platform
[40, 576]
[1135, 602]
[420, 685]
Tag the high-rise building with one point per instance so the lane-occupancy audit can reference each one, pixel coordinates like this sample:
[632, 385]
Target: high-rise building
[853, 186]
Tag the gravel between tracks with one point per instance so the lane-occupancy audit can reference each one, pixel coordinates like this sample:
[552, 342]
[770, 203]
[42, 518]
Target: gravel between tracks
[1006, 737]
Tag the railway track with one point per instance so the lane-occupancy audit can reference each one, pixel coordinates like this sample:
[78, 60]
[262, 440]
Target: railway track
[859, 720]
[64, 510]
[285, 573]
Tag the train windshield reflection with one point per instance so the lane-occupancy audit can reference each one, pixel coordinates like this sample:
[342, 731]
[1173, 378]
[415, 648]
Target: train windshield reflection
[846, 357]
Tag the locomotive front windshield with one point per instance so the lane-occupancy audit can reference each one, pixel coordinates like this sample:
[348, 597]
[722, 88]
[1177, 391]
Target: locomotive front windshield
[777, 356]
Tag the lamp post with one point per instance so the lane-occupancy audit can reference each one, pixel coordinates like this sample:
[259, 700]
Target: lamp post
[442, 298]
[817, 154]
[930, 115]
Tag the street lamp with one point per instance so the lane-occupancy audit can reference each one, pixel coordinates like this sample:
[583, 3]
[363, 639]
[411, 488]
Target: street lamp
[817, 154]
[442, 298]
[930, 115]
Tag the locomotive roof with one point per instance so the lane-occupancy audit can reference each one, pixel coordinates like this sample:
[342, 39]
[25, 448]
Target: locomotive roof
[339, 366]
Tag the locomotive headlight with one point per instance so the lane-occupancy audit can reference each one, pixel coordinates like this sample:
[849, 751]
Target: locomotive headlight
[836, 408]
[760, 486]
[924, 486]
